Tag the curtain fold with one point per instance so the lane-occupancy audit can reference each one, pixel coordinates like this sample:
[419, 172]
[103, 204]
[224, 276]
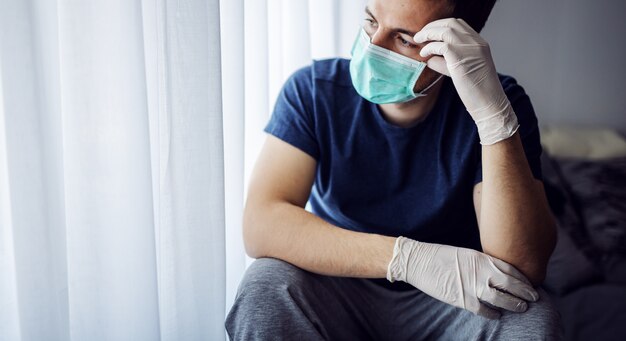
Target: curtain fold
[257, 71]
[112, 197]
[33, 270]
[233, 95]
[9, 318]
[190, 235]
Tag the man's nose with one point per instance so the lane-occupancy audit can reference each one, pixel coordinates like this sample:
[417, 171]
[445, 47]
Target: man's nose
[380, 38]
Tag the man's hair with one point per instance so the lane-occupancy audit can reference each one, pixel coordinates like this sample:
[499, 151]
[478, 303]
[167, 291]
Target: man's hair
[474, 12]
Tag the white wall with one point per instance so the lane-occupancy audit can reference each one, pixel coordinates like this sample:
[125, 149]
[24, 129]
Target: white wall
[570, 56]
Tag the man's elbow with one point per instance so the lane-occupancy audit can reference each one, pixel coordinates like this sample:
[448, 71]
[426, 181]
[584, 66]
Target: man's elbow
[252, 238]
[531, 260]
[532, 268]
[535, 273]
[535, 269]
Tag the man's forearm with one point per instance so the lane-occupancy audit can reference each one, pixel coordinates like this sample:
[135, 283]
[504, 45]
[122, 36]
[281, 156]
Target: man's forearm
[515, 220]
[288, 232]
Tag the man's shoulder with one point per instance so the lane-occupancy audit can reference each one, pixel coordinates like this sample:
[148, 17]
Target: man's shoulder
[511, 87]
[333, 70]
[521, 103]
[506, 79]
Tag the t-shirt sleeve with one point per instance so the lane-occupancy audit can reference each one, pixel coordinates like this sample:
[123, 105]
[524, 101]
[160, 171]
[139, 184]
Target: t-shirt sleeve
[292, 119]
[528, 130]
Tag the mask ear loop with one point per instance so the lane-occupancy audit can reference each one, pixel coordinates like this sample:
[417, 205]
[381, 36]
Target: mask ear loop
[423, 92]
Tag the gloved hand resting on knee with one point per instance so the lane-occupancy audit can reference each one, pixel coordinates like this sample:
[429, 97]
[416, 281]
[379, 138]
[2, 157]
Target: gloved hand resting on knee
[461, 277]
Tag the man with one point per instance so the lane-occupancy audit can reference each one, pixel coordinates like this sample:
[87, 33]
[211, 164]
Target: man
[428, 216]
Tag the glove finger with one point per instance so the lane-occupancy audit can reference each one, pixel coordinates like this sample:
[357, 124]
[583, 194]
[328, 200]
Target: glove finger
[443, 23]
[512, 281]
[515, 287]
[445, 34]
[509, 269]
[487, 312]
[435, 48]
[503, 300]
[438, 64]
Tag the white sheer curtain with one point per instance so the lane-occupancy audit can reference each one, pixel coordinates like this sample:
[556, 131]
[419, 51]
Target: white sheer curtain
[127, 130]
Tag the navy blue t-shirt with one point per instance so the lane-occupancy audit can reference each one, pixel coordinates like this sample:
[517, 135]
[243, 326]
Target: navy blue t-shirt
[373, 176]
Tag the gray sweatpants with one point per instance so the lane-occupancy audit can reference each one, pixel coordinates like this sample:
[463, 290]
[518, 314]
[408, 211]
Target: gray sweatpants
[279, 301]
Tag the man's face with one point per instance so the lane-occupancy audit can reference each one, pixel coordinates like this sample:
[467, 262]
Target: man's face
[391, 24]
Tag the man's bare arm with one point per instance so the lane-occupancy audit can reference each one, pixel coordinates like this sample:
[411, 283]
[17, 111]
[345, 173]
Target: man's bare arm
[515, 221]
[276, 225]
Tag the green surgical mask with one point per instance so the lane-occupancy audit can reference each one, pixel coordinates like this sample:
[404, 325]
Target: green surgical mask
[383, 76]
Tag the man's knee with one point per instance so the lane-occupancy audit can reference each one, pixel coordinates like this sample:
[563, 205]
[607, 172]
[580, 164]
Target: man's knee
[267, 278]
[263, 297]
[266, 275]
[540, 322]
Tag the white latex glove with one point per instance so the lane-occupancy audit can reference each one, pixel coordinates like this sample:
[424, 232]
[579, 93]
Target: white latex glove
[459, 52]
[461, 277]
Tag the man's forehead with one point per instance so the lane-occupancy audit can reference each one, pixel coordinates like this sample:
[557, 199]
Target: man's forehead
[410, 15]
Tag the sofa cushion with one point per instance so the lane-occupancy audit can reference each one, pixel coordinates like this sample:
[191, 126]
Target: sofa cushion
[594, 313]
[599, 187]
[569, 268]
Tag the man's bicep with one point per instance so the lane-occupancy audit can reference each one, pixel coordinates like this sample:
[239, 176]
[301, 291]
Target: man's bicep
[282, 172]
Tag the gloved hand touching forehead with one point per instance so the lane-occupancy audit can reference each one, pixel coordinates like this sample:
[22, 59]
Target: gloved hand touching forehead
[458, 51]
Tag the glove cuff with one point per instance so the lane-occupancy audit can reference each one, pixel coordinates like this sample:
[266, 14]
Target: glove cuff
[497, 127]
[397, 265]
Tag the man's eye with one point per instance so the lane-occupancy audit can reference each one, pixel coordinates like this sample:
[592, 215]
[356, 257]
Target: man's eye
[370, 21]
[406, 43]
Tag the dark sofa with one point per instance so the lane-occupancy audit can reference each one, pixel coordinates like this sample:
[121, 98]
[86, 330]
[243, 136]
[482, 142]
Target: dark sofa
[587, 271]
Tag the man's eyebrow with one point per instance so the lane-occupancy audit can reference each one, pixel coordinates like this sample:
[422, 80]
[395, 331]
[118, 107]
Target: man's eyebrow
[399, 30]
[407, 32]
